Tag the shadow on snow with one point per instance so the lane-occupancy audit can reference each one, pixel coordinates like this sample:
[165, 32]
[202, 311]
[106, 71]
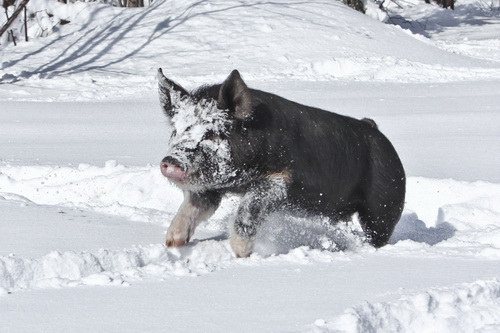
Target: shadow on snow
[95, 43]
[410, 227]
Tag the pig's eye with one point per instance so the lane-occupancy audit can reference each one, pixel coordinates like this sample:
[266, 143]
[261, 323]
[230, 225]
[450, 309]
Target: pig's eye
[210, 135]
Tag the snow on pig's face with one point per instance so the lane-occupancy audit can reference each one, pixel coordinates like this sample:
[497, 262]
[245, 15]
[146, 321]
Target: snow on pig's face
[199, 155]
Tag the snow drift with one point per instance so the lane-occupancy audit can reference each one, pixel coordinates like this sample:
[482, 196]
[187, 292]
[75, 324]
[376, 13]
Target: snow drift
[473, 307]
[459, 219]
[104, 50]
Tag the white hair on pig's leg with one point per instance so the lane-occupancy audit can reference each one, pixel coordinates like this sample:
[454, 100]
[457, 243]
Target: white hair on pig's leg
[194, 209]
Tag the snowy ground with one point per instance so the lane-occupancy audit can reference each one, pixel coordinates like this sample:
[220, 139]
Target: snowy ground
[84, 207]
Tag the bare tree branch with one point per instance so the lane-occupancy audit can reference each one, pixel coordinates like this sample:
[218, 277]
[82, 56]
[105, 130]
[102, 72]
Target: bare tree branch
[11, 19]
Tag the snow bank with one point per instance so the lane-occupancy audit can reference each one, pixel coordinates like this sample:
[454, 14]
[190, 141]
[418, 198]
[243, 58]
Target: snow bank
[106, 267]
[451, 207]
[443, 218]
[473, 307]
[435, 201]
[446, 27]
[138, 193]
[457, 218]
[125, 266]
[108, 52]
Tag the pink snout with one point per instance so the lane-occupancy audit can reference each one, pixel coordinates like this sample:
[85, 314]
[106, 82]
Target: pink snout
[170, 168]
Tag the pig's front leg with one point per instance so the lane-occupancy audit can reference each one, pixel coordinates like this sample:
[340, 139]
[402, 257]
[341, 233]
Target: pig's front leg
[257, 203]
[195, 208]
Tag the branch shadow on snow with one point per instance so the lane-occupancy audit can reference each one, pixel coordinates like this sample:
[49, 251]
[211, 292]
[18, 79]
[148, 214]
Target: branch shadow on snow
[103, 39]
[410, 227]
[439, 20]
[95, 43]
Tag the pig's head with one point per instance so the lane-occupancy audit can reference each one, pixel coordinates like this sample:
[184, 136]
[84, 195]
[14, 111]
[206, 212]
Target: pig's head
[199, 155]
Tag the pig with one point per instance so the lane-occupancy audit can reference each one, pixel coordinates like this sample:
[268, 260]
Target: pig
[275, 154]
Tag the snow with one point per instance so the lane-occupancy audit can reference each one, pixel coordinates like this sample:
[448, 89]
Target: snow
[447, 308]
[85, 207]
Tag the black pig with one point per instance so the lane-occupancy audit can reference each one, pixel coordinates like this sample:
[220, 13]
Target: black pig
[229, 138]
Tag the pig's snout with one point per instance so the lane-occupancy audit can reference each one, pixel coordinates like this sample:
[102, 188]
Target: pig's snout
[172, 168]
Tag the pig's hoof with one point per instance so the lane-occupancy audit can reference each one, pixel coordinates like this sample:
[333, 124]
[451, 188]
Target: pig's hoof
[171, 242]
[241, 246]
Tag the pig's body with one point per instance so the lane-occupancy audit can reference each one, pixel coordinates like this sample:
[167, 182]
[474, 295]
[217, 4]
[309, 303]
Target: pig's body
[278, 153]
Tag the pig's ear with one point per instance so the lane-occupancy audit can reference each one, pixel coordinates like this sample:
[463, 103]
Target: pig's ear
[235, 96]
[170, 93]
